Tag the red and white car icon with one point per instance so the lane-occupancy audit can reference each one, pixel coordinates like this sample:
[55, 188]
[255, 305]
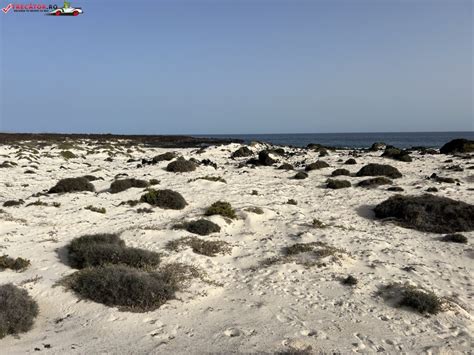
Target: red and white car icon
[66, 11]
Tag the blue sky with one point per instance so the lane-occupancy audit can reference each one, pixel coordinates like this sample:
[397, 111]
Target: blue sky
[239, 66]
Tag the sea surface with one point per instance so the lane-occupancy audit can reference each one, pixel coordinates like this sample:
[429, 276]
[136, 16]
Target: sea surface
[354, 140]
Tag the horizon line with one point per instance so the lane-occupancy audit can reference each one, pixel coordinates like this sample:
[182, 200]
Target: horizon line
[226, 134]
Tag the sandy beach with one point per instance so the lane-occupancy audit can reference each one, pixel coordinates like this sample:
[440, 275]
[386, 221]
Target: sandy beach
[254, 297]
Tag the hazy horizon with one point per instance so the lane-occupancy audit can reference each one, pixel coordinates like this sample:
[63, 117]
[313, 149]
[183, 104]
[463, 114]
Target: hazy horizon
[208, 67]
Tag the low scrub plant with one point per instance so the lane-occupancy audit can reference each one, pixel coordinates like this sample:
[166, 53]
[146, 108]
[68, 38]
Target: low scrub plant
[17, 310]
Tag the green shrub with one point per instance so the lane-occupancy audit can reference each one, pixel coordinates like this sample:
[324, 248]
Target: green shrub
[102, 249]
[428, 213]
[200, 246]
[221, 208]
[154, 182]
[202, 227]
[96, 209]
[125, 287]
[124, 184]
[72, 185]
[255, 209]
[17, 264]
[66, 154]
[17, 310]
[423, 302]
[166, 199]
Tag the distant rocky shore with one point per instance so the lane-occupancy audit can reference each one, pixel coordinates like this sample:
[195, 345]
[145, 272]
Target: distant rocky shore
[159, 141]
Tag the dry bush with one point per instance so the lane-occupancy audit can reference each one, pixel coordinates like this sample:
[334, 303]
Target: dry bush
[167, 199]
[200, 246]
[221, 208]
[17, 310]
[72, 185]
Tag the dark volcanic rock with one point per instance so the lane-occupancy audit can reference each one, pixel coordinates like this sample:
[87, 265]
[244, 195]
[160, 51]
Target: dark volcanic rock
[395, 189]
[242, 152]
[397, 154]
[286, 166]
[437, 178]
[377, 146]
[428, 213]
[265, 159]
[319, 147]
[376, 181]
[379, 170]
[132, 140]
[350, 161]
[164, 157]
[300, 175]
[458, 146]
[339, 172]
[318, 165]
[181, 166]
[337, 184]
[455, 238]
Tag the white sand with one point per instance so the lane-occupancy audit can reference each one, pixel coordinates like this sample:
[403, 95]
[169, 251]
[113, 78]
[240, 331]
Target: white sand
[281, 307]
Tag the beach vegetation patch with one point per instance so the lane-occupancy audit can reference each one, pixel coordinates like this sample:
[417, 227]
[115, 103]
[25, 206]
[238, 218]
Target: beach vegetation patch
[428, 213]
[124, 184]
[16, 264]
[72, 185]
[102, 249]
[222, 208]
[18, 310]
[166, 199]
[199, 246]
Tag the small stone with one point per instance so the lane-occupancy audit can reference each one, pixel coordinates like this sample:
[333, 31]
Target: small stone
[232, 332]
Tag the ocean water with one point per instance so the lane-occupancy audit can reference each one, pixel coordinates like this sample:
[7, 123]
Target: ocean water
[354, 140]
